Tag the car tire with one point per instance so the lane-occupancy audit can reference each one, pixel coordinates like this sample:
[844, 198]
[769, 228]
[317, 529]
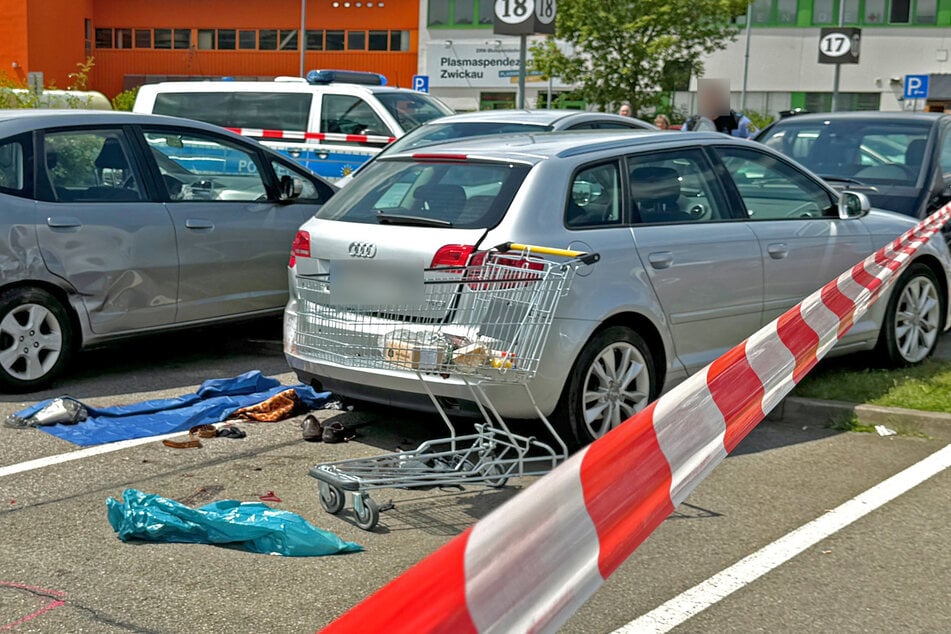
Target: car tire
[36, 339]
[913, 319]
[612, 378]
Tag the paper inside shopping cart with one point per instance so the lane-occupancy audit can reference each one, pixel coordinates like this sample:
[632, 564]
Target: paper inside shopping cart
[416, 350]
[356, 283]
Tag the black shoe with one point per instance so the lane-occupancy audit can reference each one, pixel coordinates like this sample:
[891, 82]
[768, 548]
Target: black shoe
[313, 431]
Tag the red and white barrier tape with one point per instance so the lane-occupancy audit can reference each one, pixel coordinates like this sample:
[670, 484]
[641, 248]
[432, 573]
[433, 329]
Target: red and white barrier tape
[535, 560]
[288, 135]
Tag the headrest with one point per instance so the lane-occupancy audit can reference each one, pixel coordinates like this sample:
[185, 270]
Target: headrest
[915, 152]
[443, 196]
[111, 155]
[659, 184]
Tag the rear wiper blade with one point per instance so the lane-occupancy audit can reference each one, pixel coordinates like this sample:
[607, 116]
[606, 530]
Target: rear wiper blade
[412, 221]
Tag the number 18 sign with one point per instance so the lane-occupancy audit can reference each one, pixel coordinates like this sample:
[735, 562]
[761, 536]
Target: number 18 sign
[524, 17]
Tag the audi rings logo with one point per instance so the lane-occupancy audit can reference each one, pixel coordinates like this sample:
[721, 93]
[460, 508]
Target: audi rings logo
[362, 250]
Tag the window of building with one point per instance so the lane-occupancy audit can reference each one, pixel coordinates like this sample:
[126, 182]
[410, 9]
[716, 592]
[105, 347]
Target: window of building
[356, 40]
[123, 38]
[143, 38]
[226, 39]
[874, 12]
[900, 12]
[926, 12]
[163, 38]
[103, 38]
[267, 40]
[206, 39]
[334, 41]
[288, 40]
[823, 12]
[183, 38]
[852, 101]
[378, 40]
[247, 40]
[315, 40]
[399, 40]
[462, 13]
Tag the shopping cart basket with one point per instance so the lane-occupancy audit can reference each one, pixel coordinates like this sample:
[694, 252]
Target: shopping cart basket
[485, 324]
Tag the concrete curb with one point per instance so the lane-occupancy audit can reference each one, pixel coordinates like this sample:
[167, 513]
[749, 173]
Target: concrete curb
[798, 410]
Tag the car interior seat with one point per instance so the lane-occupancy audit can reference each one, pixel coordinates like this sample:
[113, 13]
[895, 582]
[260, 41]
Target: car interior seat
[111, 156]
[447, 200]
[915, 153]
[655, 192]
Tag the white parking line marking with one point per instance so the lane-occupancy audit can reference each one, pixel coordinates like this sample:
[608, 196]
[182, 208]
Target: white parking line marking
[703, 595]
[39, 463]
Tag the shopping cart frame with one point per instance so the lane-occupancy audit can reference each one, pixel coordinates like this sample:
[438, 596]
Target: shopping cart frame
[528, 278]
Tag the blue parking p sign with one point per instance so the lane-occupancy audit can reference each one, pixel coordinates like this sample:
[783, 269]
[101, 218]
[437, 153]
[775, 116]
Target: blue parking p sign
[421, 83]
[916, 86]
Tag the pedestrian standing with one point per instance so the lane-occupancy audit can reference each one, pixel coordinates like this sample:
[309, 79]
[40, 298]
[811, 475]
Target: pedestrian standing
[662, 122]
[625, 109]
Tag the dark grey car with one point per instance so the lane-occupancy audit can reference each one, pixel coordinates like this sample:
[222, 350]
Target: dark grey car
[117, 224]
[900, 160]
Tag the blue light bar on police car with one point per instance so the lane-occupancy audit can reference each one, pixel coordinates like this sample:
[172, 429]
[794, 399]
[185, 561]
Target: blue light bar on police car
[345, 77]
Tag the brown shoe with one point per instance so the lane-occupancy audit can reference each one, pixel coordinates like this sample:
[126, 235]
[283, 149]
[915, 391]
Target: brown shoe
[312, 430]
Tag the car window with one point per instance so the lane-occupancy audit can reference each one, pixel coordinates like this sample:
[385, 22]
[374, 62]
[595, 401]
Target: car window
[439, 132]
[871, 152]
[772, 189]
[594, 199]
[346, 114]
[945, 158]
[465, 194]
[90, 166]
[200, 167]
[16, 163]
[311, 190]
[264, 110]
[411, 109]
[674, 186]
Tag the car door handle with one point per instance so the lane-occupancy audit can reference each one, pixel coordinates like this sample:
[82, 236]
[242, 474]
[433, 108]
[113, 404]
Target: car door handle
[198, 223]
[63, 222]
[777, 250]
[661, 259]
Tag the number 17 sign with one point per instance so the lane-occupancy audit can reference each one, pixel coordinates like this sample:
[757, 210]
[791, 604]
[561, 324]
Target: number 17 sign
[524, 17]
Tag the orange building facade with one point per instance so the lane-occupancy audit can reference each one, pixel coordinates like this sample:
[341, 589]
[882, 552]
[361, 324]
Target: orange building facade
[142, 41]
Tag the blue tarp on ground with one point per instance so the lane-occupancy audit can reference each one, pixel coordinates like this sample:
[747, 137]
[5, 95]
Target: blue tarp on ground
[212, 403]
[250, 526]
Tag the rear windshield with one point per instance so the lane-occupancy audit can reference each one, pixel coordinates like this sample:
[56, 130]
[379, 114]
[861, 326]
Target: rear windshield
[867, 151]
[439, 132]
[266, 110]
[466, 195]
[412, 109]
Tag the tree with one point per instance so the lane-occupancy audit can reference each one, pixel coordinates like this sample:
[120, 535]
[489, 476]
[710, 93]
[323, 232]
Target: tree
[629, 50]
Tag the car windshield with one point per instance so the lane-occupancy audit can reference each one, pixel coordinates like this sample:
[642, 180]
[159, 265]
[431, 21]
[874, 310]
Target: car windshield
[412, 109]
[461, 194]
[439, 132]
[855, 150]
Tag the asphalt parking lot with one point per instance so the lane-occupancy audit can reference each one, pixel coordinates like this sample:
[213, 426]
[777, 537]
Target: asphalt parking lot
[63, 569]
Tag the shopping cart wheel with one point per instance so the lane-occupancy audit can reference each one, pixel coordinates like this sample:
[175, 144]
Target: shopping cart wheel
[331, 498]
[367, 512]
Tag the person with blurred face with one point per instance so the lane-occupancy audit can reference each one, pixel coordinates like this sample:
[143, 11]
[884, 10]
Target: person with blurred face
[625, 110]
[662, 122]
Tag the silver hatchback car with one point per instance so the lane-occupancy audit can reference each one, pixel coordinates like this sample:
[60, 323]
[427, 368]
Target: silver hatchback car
[117, 224]
[702, 240]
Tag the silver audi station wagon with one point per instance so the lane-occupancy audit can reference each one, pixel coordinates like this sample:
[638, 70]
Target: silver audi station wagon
[702, 240]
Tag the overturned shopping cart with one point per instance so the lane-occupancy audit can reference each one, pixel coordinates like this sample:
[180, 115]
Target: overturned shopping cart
[483, 324]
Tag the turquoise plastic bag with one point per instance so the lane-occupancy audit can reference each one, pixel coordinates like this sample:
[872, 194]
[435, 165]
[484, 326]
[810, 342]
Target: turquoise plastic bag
[250, 526]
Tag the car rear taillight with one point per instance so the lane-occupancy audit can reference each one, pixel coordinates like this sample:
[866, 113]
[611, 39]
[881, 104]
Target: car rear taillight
[423, 156]
[452, 256]
[300, 247]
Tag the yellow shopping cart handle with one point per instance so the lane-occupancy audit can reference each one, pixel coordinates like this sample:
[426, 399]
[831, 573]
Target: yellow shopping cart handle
[587, 258]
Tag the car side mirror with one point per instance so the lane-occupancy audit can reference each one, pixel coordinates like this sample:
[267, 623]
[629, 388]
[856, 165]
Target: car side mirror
[291, 187]
[853, 205]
